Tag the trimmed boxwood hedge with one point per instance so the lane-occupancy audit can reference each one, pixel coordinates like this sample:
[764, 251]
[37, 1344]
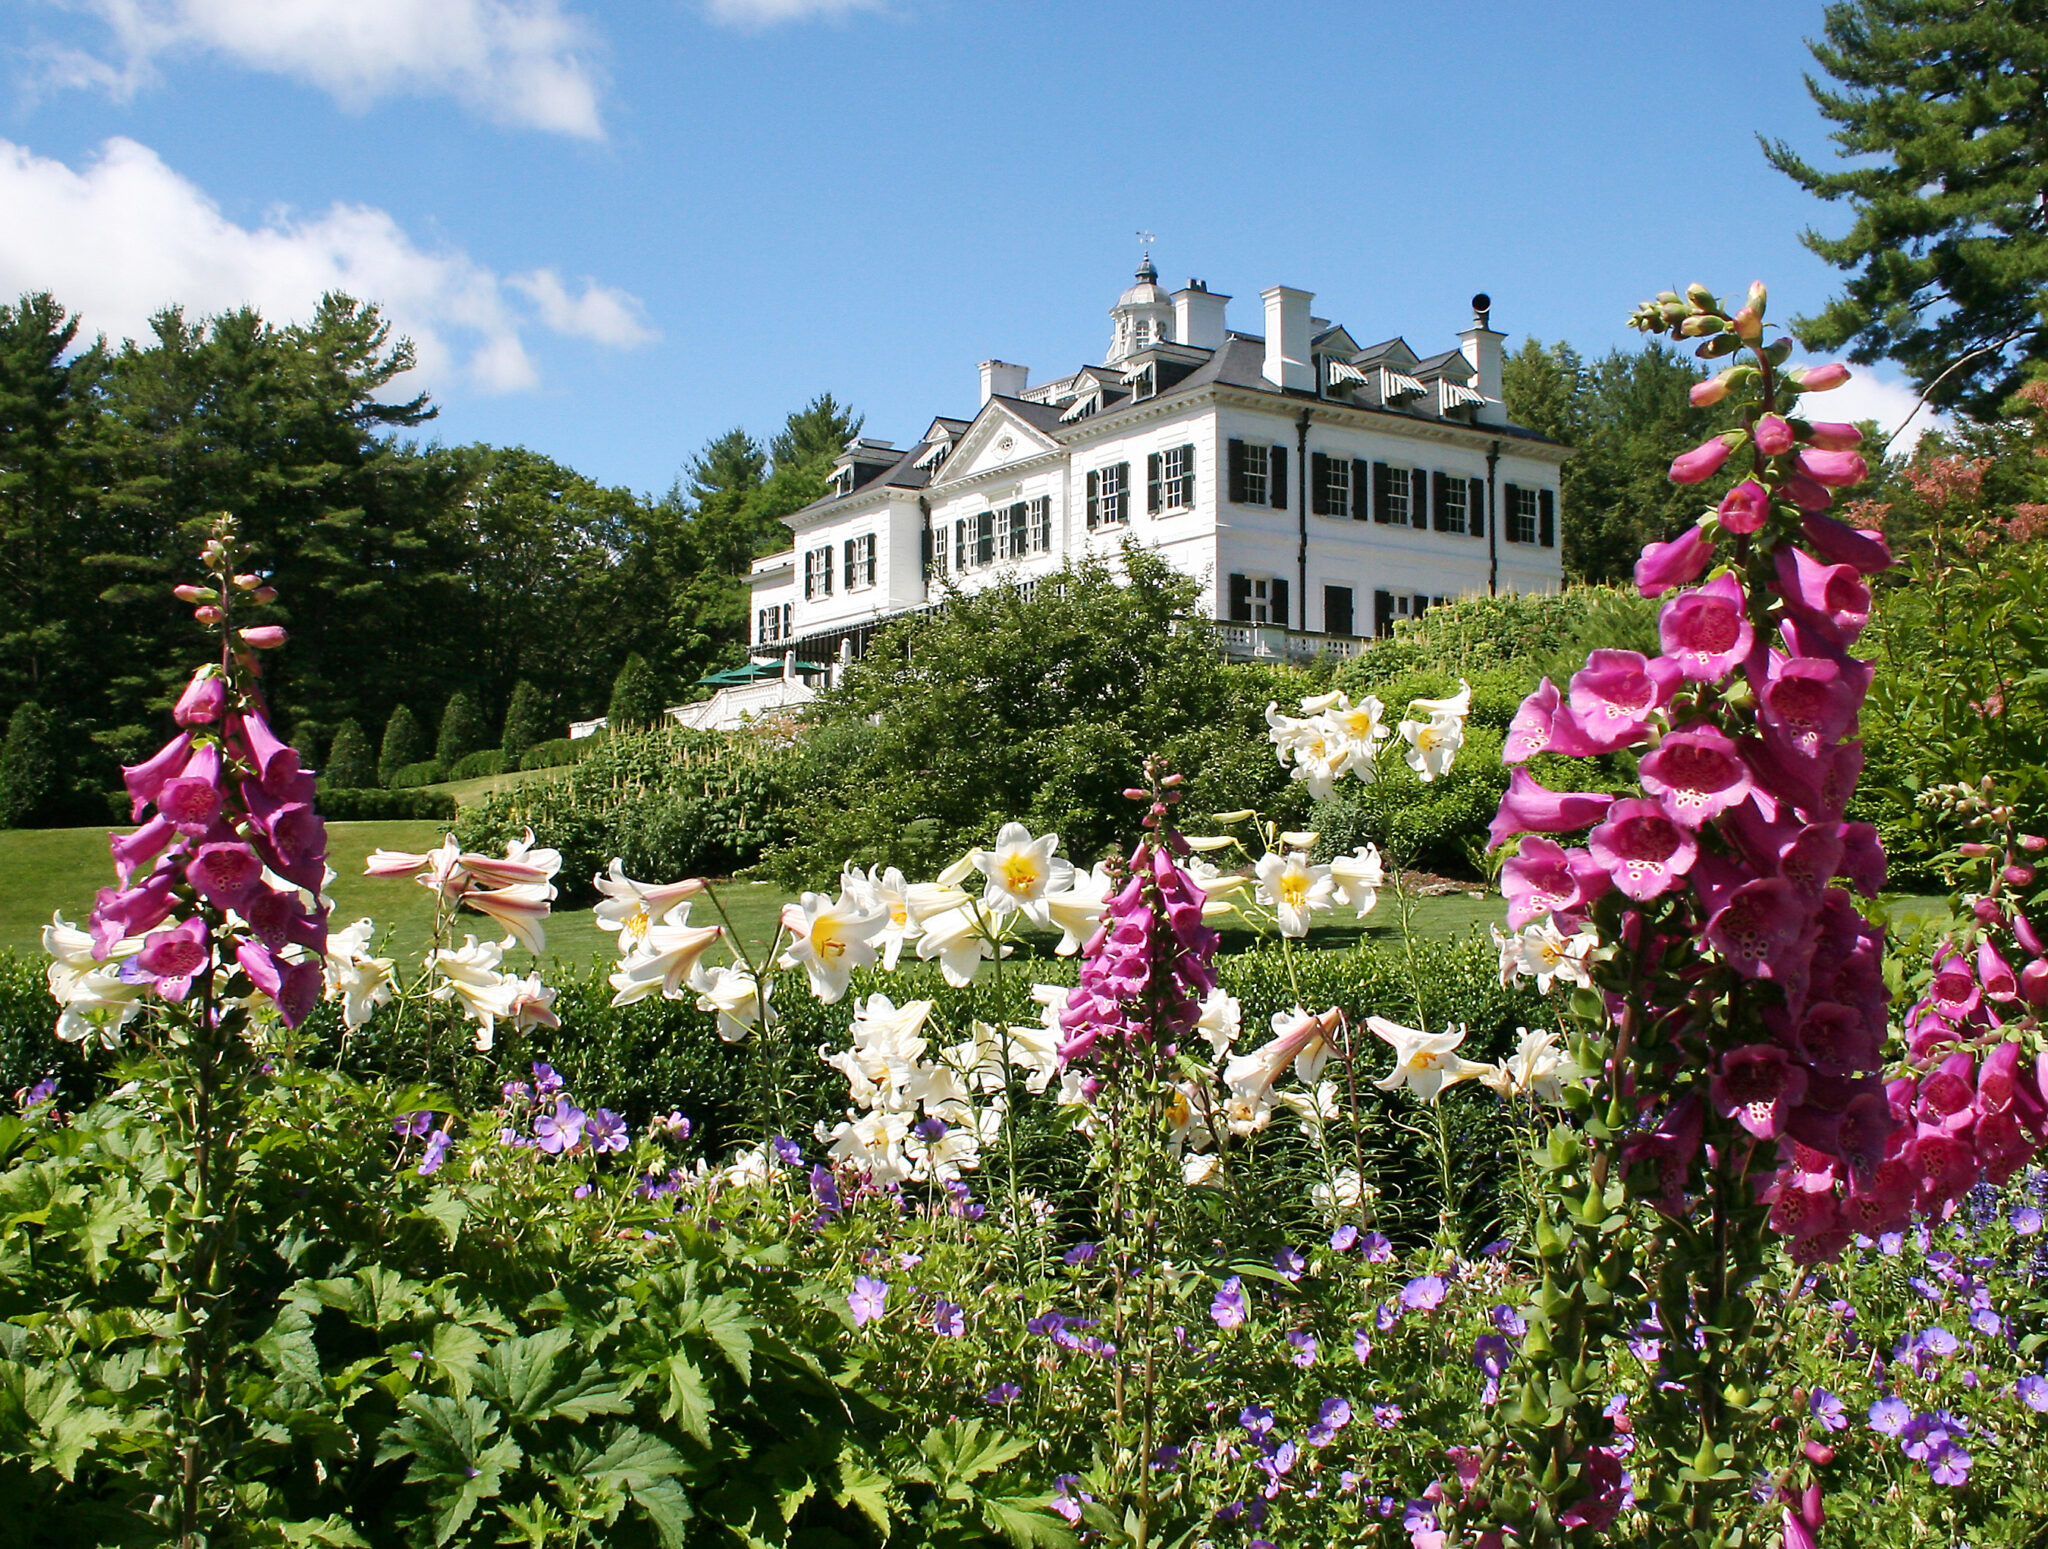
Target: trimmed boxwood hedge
[367, 804]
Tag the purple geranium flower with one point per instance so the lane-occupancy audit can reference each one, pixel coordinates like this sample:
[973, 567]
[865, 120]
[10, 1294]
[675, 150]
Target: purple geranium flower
[1304, 1348]
[1289, 1263]
[1080, 1253]
[1827, 1409]
[1344, 1238]
[2026, 1220]
[1491, 1354]
[607, 1131]
[412, 1124]
[948, 1320]
[791, 1153]
[561, 1130]
[1424, 1293]
[2032, 1391]
[1003, 1393]
[1378, 1250]
[41, 1092]
[1888, 1416]
[1928, 1435]
[1335, 1413]
[1985, 1321]
[1228, 1308]
[869, 1298]
[1938, 1341]
[1386, 1416]
[1890, 1243]
[825, 1190]
[1256, 1419]
[545, 1081]
[1508, 1321]
[1361, 1346]
[1951, 1466]
[435, 1154]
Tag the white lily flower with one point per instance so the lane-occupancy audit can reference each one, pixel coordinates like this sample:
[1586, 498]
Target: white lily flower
[1074, 1093]
[874, 1143]
[664, 960]
[1359, 877]
[1545, 953]
[1362, 725]
[1200, 1169]
[631, 908]
[1021, 872]
[533, 1004]
[1220, 1021]
[1217, 885]
[1078, 910]
[1299, 1039]
[888, 892]
[96, 1001]
[1537, 1068]
[1188, 1110]
[1432, 744]
[520, 907]
[1322, 756]
[360, 981]
[1457, 706]
[958, 939]
[1314, 1107]
[1425, 1063]
[1294, 890]
[829, 939]
[732, 993]
[1036, 1051]
[1351, 1191]
[469, 976]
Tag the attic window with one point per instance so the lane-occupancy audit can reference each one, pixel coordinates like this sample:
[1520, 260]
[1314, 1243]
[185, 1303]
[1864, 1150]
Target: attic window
[842, 481]
[1082, 408]
[1142, 384]
[934, 455]
[1398, 385]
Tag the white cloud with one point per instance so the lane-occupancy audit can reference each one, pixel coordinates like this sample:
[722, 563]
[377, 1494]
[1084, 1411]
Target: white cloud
[767, 13]
[1867, 395]
[127, 236]
[602, 314]
[522, 62]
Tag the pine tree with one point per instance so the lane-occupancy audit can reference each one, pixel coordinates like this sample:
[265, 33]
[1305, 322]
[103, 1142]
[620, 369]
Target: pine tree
[814, 434]
[731, 464]
[463, 730]
[526, 720]
[636, 697]
[350, 763]
[405, 742]
[28, 768]
[309, 740]
[1949, 250]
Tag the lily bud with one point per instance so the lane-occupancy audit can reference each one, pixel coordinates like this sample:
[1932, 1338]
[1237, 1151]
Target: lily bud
[208, 614]
[265, 637]
[248, 582]
[1232, 817]
[189, 593]
[1834, 436]
[1774, 435]
[1818, 379]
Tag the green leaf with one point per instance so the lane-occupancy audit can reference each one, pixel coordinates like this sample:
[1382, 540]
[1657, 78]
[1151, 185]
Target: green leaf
[960, 1452]
[724, 1321]
[521, 1374]
[455, 1350]
[445, 1439]
[331, 1531]
[868, 1492]
[689, 1399]
[1024, 1521]
[446, 1211]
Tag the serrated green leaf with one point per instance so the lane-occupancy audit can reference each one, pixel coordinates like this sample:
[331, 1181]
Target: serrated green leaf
[868, 1492]
[529, 1379]
[1025, 1521]
[689, 1399]
[330, 1531]
[447, 1211]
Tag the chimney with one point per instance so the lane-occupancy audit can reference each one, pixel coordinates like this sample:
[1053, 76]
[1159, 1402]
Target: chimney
[999, 377]
[1287, 335]
[1198, 315]
[1481, 347]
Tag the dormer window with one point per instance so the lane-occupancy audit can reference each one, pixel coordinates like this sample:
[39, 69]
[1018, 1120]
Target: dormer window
[842, 482]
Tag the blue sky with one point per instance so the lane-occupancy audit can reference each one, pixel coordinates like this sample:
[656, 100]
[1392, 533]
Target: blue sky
[618, 230]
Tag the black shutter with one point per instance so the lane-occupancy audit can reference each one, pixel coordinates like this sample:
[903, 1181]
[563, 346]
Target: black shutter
[1240, 600]
[924, 551]
[1475, 508]
[1152, 496]
[1319, 483]
[985, 538]
[1546, 518]
[1421, 606]
[1440, 500]
[1336, 610]
[1508, 493]
[1276, 477]
[1094, 498]
[1418, 497]
[1187, 475]
[849, 553]
[959, 546]
[1361, 475]
[1381, 481]
[1276, 590]
[868, 557]
[1237, 473]
[1382, 614]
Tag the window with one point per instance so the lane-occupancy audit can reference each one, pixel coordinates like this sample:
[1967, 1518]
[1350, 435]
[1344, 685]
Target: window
[771, 624]
[1250, 467]
[1450, 503]
[940, 545]
[1019, 532]
[960, 545]
[1170, 480]
[1389, 606]
[1390, 494]
[1258, 599]
[1109, 493]
[985, 539]
[1524, 513]
[1336, 610]
[1330, 485]
[1041, 525]
[818, 573]
[860, 561]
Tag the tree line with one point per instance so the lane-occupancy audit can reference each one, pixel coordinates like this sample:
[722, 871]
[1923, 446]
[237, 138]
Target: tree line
[439, 597]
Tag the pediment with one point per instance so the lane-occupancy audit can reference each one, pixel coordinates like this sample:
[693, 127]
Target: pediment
[997, 438]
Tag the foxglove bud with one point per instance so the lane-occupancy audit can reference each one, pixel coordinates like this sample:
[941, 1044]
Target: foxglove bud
[1677, 563]
[190, 593]
[203, 700]
[1701, 463]
[1705, 395]
[2023, 928]
[1973, 849]
[1774, 435]
[2033, 843]
[265, 594]
[208, 614]
[265, 637]
[1834, 468]
[248, 582]
[1744, 508]
[1818, 379]
[2034, 982]
[1758, 296]
[1834, 436]
[2019, 876]
[1749, 325]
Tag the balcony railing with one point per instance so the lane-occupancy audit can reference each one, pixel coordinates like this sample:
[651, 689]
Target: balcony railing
[1272, 642]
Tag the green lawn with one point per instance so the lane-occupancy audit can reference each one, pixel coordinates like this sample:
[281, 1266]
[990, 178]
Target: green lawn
[469, 792]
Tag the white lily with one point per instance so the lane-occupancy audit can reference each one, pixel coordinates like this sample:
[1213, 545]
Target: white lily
[1318, 1106]
[1363, 725]
[359, 980]
[469, 976]
[1299, 1039]
[1545, 953]
[96, 1001]
[1359, 877]
[631, 908]
[1425, 1063]
[958, 939]
[533, 1004]
[1537, 1069]
[874, 1143]
[888, 892]
[1022, 872]
[1457, 706]
[1077, 910]
[1432, 745]
[1220, 1021]
[1351, 1191]
[664, 959]
[1199, 1169]
[829, 939]
[731, 992]
[1294, 890]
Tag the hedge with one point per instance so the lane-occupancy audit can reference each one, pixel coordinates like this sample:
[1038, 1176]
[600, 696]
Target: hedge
[367, 804]
[412, 776]
[485, 761]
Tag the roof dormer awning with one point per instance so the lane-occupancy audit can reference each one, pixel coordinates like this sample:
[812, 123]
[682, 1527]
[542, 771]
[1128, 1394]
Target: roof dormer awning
[1451, 397]
[1081, 408]
[933, 455]
[1396, 386]
[1344, 374]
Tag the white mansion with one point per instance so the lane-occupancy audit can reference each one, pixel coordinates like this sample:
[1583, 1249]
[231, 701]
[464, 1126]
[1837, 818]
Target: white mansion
[1318, 488]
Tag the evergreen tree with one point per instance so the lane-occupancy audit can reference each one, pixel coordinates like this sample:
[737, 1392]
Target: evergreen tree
[636, 696]
[1944, 108]
[463, 730]
[526, 720]
[815, 434]
[29, 792]
[405, 742]
[350, 763]
[1622, 415]
[309, 740]
[730, 465]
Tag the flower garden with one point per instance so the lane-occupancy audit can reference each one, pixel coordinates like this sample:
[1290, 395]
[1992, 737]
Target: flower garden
[1688, 1207]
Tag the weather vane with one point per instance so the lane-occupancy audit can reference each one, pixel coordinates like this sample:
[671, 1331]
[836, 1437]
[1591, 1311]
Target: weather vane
[1147, 238]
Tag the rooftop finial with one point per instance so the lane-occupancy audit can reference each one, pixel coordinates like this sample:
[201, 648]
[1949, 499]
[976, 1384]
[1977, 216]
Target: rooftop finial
[1147, 275]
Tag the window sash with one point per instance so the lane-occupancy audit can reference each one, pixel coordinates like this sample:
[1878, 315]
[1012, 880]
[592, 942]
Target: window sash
[1256, 472]
[1396, 497]
[1453, 496]
[1114, 493]
[1522, 520]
